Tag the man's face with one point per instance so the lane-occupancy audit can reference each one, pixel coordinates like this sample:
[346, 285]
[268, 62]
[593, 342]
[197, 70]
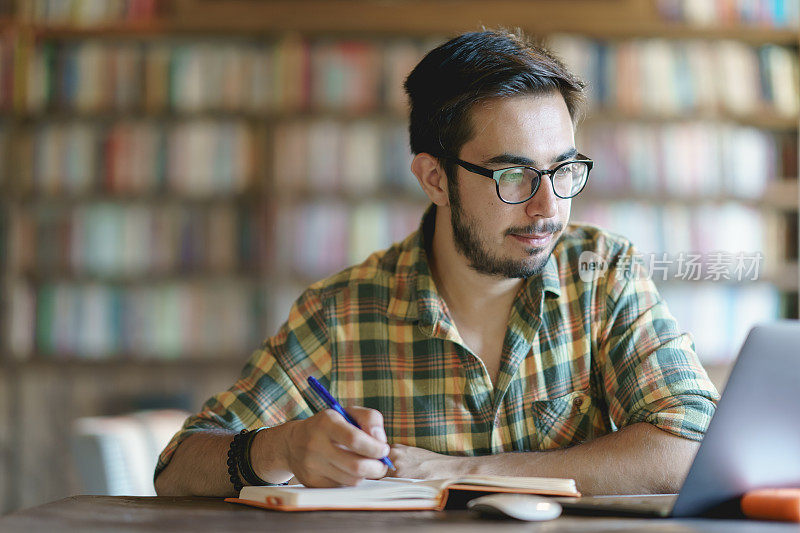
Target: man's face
[500, 239]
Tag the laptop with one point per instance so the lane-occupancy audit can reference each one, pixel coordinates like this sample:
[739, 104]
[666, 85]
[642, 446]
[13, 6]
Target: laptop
[753, 440]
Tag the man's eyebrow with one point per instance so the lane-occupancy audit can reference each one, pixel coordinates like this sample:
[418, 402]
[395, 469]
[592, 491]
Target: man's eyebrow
[513, 159]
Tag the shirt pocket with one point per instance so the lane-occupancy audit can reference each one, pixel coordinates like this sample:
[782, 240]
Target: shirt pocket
[563, 421]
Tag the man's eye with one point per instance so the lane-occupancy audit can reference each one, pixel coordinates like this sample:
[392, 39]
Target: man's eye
[512, 176]
[564, 172]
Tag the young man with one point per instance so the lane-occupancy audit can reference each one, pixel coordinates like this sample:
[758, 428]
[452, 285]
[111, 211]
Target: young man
[478, 335]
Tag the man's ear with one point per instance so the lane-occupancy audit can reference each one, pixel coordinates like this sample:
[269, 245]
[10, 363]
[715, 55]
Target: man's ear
[431, 177]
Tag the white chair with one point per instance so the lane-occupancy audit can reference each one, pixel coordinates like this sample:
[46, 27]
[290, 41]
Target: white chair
[117, 455]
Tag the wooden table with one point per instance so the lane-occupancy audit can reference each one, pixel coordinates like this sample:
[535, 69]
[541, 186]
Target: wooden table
[123, 513]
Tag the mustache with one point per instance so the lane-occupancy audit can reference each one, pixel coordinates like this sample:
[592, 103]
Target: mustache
[546, 227]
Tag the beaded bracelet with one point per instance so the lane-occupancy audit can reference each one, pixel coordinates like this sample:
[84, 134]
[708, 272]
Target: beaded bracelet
[245, 465]
[232, 461]
[239, 461]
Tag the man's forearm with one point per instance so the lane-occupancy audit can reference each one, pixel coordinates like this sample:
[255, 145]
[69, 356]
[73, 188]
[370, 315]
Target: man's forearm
[637, 459]
[324, 450]
[199, 465]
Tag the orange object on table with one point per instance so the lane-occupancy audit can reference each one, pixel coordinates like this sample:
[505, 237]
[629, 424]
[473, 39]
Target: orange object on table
[772, 504]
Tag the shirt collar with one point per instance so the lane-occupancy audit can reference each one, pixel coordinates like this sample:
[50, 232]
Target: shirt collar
[415, 295]
[551, 279]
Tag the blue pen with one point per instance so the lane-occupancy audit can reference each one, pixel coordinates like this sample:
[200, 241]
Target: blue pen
[331, 402]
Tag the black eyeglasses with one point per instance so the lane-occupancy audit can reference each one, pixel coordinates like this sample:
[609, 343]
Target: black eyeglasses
[516, 185]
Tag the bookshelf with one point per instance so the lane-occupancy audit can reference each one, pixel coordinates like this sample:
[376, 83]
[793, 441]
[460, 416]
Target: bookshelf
[224, 155]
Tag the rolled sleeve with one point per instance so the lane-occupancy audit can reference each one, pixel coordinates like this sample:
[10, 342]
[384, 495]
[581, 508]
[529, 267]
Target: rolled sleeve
[650, 369]
[269, 390]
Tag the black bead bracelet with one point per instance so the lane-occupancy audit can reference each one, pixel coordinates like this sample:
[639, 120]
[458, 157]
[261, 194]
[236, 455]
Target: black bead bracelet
[245, 465]
[239, 463]
[233, 462]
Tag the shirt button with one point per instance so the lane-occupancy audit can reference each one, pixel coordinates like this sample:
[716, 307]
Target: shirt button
[577, 402]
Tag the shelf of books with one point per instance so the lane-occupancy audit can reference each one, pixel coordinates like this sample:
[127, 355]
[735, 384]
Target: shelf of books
[169, 197]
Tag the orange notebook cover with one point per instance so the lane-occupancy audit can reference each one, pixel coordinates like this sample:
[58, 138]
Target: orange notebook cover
[391, 494]
[772, 504]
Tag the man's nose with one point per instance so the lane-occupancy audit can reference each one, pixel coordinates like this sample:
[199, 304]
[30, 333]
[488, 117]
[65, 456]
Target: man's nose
[545, 202]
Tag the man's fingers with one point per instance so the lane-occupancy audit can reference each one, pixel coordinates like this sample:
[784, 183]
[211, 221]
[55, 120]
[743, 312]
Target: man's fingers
[342, 432]
[322, 469]
[356, 467]
[370, 420]
[327, 451]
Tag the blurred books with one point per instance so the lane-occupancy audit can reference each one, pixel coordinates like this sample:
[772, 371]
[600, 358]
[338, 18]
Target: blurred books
[137, 239]
[708, 13]
[686, 159]
[188, 75]
[361, 157]
[195, 158]
[171, 196]
[82, 13]
[158, 320]
[662, 78]
[317, 239]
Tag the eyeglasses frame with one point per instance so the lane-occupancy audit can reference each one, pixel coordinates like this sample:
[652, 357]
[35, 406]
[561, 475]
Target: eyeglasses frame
[495, 175]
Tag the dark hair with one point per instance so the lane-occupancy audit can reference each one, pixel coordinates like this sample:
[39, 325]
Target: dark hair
[473, 67]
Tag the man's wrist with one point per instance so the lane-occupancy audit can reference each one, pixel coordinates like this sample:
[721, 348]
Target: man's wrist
[498, 464]
[471, 466]
[453, 466]
[269, 453]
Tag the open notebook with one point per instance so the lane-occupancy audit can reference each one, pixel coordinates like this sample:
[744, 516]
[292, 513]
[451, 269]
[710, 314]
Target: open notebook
[396, 493]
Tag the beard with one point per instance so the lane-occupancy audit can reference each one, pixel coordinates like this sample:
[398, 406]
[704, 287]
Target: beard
[472, 244]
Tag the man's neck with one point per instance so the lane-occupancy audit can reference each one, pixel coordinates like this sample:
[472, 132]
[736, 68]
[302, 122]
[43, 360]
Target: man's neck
[471, 296]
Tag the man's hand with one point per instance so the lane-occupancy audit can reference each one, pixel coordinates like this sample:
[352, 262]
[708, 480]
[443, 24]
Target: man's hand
[423, 464]
[327, 451]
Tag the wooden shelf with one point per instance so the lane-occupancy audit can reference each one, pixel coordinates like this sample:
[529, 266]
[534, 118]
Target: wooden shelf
[766, 120]
[172, 115]
[246, 277]
[778, 195]
[124, 30]
[122, 362]
[753, 36]
[385, 192]
[254, 198]
[257, 200]
[749, 34]
[412, 17]
[423, 17]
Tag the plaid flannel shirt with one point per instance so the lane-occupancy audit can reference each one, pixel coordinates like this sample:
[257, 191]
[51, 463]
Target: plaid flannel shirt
[580, 358]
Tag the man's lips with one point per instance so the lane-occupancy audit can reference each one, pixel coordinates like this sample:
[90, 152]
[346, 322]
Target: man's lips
[533, 239]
